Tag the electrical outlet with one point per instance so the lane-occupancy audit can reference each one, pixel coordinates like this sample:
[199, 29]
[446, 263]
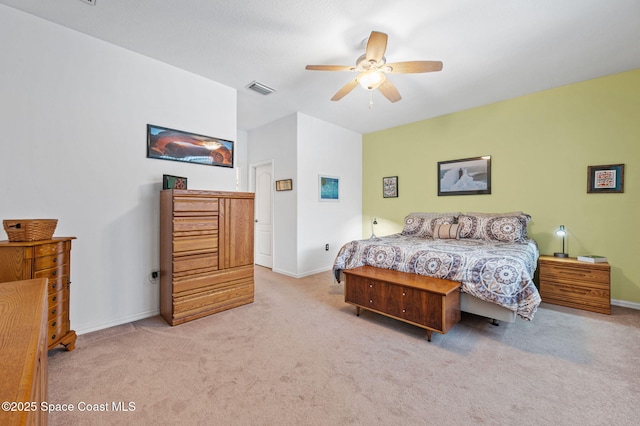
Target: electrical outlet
[326, 247]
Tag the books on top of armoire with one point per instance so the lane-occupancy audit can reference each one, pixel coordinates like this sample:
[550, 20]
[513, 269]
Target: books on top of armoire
[592, 258]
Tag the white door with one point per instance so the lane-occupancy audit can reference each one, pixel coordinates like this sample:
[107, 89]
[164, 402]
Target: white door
[263, 217]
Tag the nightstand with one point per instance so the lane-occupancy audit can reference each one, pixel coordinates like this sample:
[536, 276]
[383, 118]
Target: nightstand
[581, 285]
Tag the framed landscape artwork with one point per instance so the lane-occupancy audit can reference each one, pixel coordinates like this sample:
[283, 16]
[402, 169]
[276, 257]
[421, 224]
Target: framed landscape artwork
[176, 145]
[605, 179]
[468, 176]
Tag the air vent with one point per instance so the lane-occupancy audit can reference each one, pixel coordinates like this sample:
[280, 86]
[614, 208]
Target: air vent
[91, 2]
[260, 88]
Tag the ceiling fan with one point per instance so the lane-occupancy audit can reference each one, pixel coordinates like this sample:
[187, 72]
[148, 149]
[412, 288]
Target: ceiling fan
[372, 69]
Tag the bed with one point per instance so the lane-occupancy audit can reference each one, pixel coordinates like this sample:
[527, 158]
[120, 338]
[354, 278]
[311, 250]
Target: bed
[490, 254]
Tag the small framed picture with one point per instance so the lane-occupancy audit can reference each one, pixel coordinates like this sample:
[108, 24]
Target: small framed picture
[328, 188]
[174, 182]
[284, 185]
[605, 179]
[390, 187]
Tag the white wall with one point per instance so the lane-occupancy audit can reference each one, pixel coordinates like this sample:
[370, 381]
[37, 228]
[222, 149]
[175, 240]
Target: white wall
[301, 148]
[327, 149]
[276, 142]
[73, 114]
[241, 165]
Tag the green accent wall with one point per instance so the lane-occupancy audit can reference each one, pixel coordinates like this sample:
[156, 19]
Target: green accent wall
[540, 146]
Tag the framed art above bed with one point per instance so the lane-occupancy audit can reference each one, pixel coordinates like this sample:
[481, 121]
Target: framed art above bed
[468, 176]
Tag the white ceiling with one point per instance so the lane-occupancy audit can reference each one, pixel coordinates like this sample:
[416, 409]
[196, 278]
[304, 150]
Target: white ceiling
[492, 50]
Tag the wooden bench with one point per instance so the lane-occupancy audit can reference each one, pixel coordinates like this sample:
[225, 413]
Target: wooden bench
[427, 302]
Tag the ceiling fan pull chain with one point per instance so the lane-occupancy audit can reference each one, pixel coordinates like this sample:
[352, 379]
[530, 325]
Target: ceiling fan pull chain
[370, 99]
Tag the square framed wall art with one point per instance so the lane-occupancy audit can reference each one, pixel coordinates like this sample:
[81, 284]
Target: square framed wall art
[328, 188]
[605, 179]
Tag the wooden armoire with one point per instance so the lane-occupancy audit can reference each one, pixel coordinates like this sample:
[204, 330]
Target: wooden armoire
[206, 252]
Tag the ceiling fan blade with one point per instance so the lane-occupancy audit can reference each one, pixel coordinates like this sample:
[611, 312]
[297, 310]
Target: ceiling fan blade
[389, 91]
[345, 90]
[376, 46]
[328, 68]
[414, 67]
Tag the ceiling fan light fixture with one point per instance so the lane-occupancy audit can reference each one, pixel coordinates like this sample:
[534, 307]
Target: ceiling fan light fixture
[371, 79]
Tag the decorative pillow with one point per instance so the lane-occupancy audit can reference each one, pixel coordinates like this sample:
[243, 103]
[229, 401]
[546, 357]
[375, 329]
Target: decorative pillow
[447, 231]
[423, 224]
[511, 229]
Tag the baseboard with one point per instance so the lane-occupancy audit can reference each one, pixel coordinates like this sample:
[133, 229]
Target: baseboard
[625, 304]
[120, 321]
[304, 274]
[287, 273]
[317, 271]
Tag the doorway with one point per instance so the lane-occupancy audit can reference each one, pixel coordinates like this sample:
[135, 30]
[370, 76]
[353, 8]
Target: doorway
[263, 231]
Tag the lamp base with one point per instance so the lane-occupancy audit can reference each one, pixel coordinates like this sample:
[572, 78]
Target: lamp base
[560, 254]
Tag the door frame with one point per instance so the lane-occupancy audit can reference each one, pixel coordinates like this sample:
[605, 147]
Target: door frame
[252, 188]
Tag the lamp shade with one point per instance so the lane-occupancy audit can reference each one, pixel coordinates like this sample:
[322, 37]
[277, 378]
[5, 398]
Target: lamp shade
[561, 232]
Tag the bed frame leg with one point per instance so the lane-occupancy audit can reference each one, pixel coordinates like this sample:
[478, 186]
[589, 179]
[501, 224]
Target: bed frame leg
[494, 322]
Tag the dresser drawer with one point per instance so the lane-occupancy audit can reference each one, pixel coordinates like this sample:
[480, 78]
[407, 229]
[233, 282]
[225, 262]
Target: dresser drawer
[195, 225]
[55, 333]
[53, 248]
[182, 264]
[57, 284]
[52, 261]
[53, 273]
[212, 280]
[57, 300]
[57, 310]
[56, 325]
[213, 300]
[194, 244]
[193, 206]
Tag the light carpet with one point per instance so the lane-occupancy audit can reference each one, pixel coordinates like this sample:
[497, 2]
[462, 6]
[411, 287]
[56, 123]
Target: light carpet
[299, 355]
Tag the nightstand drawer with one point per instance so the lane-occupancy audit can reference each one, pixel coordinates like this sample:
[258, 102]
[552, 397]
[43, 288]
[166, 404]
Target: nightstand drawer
[574, 294]
[564, 273]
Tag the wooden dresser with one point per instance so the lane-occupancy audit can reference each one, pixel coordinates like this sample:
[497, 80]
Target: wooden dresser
[44, 259]
[206, 253]
[23, 345]
[569, 282]
[430, 303]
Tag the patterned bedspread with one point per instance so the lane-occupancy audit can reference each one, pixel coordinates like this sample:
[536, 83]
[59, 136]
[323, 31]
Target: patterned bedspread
[496, 272]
